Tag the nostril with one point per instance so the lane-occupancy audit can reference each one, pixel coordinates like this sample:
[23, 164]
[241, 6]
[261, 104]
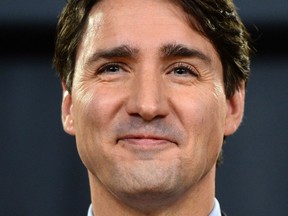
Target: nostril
[147, 111]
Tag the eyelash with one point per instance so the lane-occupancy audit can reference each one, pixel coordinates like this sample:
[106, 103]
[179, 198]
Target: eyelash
[190, 69]
[105, 67]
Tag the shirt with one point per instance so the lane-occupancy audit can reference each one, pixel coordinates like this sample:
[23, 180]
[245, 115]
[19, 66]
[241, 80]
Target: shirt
[216, 211]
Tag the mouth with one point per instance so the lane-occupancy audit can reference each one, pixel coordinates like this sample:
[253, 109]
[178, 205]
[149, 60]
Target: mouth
[146, 141]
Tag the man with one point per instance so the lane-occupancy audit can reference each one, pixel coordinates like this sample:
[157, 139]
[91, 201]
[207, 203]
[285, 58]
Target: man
[150, 91]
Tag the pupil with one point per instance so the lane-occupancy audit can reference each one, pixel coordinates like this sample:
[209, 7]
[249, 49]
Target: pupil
[181, 70]
[113, 68]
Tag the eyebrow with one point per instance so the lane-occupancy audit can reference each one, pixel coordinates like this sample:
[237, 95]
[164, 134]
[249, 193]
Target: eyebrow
[180, 50]
[167, 51]
[123, 51]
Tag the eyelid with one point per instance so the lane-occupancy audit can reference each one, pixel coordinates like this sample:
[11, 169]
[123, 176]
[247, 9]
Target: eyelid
[187, 66]
[104, 66]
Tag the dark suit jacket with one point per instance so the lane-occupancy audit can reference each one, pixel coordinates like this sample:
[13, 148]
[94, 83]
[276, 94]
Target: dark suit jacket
[223, 213]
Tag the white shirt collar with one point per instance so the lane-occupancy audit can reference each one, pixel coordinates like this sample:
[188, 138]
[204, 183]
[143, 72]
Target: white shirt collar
[216, 211]
[90, 212]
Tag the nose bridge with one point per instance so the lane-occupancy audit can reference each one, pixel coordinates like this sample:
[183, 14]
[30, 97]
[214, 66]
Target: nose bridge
[148, 98]
[148, 89]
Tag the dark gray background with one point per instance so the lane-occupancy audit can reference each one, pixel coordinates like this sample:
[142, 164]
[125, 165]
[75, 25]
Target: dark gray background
[40, 172]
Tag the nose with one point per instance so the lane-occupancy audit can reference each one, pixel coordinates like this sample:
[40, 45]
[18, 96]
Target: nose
[147, 97]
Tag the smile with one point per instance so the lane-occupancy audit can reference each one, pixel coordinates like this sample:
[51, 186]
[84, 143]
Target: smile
[146, 142]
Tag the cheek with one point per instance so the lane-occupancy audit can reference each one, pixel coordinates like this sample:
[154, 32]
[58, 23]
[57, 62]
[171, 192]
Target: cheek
[97, 108]
[94, 117]
[202, 116]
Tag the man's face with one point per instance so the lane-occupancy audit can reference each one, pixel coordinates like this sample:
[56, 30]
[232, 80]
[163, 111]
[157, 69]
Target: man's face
[148, 106]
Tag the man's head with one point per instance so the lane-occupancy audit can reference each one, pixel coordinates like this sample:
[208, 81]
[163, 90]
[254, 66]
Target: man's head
[150, 90]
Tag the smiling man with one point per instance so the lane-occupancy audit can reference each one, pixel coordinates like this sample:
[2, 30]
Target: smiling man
[150, 91]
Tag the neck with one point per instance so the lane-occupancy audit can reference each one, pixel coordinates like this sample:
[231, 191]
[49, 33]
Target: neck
[197, 200]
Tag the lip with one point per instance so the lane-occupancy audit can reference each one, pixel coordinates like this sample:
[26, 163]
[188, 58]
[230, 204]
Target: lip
[145, 140]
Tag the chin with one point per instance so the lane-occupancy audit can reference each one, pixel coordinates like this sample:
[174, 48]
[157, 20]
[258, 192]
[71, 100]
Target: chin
[147, 185]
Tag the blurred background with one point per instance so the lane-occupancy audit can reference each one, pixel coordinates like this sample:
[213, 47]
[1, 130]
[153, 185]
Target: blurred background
[40, 171]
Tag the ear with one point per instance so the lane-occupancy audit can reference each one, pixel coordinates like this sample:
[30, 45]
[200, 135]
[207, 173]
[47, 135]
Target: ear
[67, 111]
[235, 110]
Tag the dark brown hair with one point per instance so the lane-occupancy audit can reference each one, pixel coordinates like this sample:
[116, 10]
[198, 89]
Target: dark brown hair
[221, 24]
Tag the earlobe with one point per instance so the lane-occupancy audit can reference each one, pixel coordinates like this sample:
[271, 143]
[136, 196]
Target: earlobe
[67, 112]
[235, 110]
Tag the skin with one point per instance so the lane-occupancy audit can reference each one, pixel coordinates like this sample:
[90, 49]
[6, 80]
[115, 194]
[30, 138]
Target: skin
[148, 110]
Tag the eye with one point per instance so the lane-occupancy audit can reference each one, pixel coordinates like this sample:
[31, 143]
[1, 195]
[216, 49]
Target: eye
[181, 69]
[110, 68]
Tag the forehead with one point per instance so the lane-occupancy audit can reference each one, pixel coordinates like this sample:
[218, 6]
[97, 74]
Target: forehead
[146, 24]
[143, 13]
[138, 7]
